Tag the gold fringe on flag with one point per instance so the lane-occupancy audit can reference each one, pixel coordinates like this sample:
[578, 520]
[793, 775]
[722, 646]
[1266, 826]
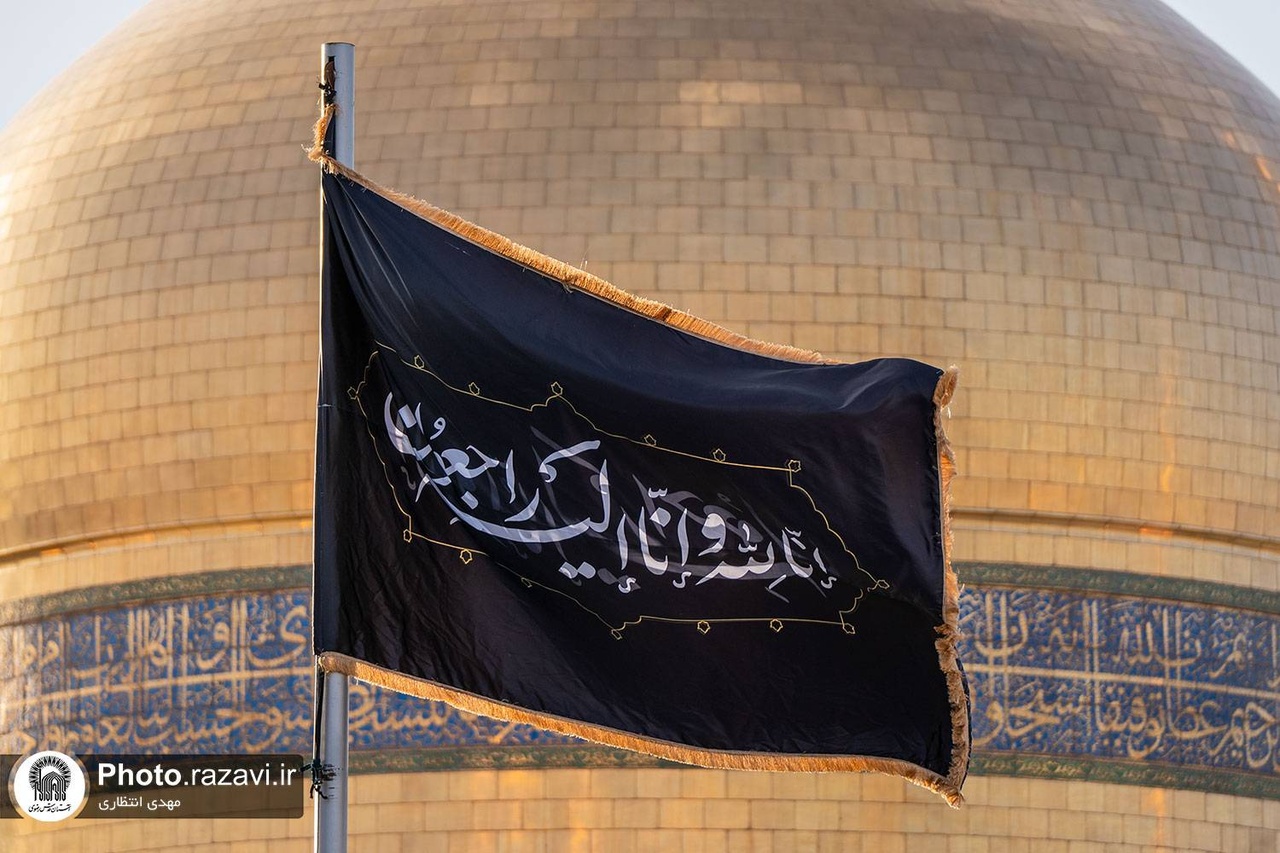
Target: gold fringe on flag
[948, 633]
[715, 759]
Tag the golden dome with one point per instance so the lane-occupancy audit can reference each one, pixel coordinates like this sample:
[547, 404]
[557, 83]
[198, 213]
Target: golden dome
[1078, 203]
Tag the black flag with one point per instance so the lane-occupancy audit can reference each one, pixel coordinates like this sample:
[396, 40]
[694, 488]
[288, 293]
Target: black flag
[542, 499]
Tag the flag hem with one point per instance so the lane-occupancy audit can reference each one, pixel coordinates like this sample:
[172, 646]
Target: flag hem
[949, 631]
[683, 753]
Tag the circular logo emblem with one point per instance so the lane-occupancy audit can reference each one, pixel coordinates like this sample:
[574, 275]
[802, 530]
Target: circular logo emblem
[49, 786]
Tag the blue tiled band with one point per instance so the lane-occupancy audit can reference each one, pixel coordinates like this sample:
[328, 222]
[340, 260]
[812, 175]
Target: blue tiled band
[1074, 673]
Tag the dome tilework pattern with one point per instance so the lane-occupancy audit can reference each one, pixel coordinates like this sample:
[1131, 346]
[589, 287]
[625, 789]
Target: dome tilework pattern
[1078, 203]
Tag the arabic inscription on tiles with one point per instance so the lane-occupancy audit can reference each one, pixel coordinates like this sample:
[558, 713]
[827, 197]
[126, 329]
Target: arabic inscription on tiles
[1052, 673]
[1059, 673]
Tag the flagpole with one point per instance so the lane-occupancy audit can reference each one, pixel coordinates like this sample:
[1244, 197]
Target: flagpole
[337, 64]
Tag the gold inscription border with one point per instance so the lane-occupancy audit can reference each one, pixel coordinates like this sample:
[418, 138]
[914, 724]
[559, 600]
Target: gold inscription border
[983, 763]
[154, 590]
[1112, 583]
[983, 574]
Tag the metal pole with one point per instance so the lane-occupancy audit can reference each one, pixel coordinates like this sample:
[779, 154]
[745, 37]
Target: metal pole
[337, 64]
[331, 807]
[340, 89]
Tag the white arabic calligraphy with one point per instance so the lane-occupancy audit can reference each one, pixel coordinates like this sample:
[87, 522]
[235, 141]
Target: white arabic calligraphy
[672, 531]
